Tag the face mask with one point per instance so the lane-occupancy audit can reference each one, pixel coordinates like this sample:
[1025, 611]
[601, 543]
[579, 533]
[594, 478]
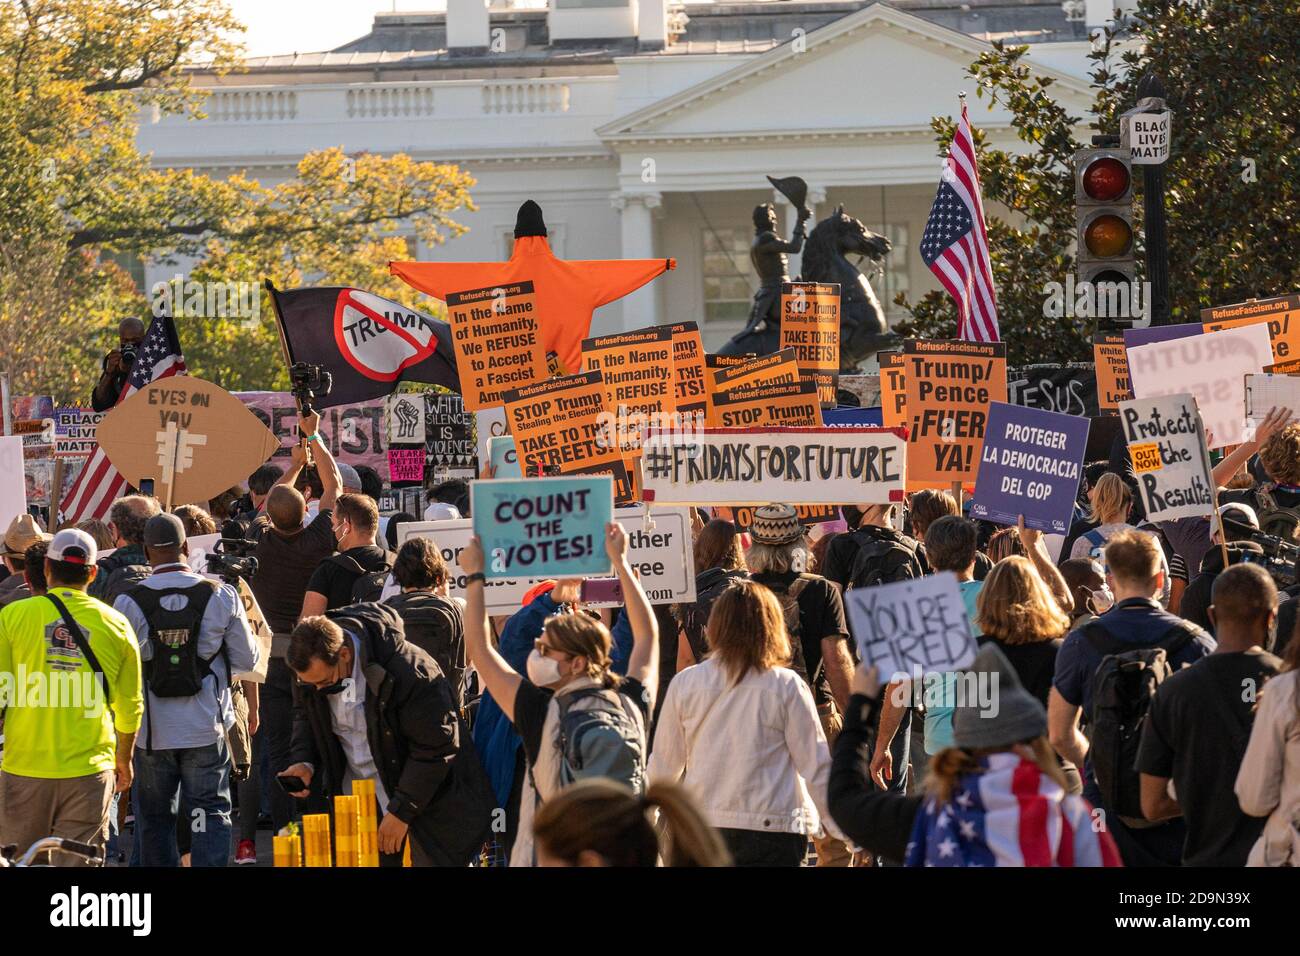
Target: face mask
[1102, 601]
[543, 671]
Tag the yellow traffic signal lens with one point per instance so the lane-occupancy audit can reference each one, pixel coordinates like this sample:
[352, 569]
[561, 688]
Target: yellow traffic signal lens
[1108, 236]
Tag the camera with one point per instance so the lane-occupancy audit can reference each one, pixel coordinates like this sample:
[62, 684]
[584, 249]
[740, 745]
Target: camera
[1279, 557]
[129, 350]
[232, 558]
[309, 383]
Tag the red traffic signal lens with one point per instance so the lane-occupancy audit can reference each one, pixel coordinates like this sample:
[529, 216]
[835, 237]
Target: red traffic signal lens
[1105, 179]
[1108, 236]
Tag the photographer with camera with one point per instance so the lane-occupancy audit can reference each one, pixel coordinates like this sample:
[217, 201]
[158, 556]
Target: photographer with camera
[117, 365]
[1240, 525]
[193, 636]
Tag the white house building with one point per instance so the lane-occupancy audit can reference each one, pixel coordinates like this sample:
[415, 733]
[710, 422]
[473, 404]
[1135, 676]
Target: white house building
[646, 129]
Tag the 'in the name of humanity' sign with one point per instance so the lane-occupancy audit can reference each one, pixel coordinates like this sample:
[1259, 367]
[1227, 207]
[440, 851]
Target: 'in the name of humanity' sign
[1167, 444]
[800, 466]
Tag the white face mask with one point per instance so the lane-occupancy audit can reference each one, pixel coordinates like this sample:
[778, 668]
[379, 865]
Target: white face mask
[1102, 600]
[543, 671]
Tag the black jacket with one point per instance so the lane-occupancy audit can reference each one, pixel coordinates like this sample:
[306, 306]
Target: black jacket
[844, 549]
[422, 748]
[1196, 597]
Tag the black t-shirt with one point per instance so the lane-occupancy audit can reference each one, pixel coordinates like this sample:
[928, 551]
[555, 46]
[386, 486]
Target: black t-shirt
[531, 702]
[335, 581]
[1034, 663]
[821, 615]
[1196, 734]
[286, 562]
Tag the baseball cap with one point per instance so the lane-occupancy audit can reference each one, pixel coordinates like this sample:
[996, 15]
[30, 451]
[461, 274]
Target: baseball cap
[1238, 511]
[73, 546]
[164, 531]
[775, 525]
[23, 532]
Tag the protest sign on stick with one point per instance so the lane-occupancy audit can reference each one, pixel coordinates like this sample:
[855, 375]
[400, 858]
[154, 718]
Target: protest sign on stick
[788, 403]
[74, 431]
[1281, 314]
[736, 466]
[1212, 367]
[1030, 465]
[810, 324]
[950, 385]
[1110, 363]
[497, 336]
[1166, 442]
[543, 527]
[637, 372]
[893, 389]
[771, 369]
[505, 462]
[690, 381]
[448, 438]
[911, 628]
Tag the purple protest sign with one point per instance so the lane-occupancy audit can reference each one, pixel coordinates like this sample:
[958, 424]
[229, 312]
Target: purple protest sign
[1161, 333]
[1030, 465]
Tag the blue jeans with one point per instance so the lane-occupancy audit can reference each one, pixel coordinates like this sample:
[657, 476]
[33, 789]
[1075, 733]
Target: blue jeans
[200, 776]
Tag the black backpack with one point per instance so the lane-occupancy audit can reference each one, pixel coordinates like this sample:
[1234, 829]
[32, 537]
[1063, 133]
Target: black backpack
[176, 669]
[369, 585]
[122, 580]
[1122, 689]
[433, 624]
[880, 560]
[693, 617]
[789, 598]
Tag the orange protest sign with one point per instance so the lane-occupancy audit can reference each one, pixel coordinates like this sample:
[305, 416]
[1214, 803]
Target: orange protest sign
[796, 404]
[765, 370]
[637, 369]
[1282, 314]
[562, 427]
[498, 342]
[950, 385]
[1111, 362]
[810, 324]
[893, 389]
[689, 380]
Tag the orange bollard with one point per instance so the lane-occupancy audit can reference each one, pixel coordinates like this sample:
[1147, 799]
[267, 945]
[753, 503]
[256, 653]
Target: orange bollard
[316, 835]
[287, 850]
[368, 830]
[346, 823]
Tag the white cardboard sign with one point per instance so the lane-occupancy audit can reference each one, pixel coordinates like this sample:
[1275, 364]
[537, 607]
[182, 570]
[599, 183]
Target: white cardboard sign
[912, 627]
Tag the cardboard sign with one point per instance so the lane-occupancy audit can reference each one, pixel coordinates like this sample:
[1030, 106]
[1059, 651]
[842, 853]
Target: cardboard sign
[489, 423]
[1069, 389]
[774, 369]
[356, 434]
[911, 628]
[950, 385]
[637, 372]
[13, 492]
[449, 436]
[790, 403]
[810, 324]
[1110, 362]
[799, 466]
[893, 389]
[498, 341]
[1281, 313]
[543, 527]
[1166, 441]
[505, 462]
[714, 363]
[660, 549]
[690, 384]
[1030, 465]
[193, 438]
[1211, 367]
[405, 416]
[562, 425]
[406, 466]
[74, 431]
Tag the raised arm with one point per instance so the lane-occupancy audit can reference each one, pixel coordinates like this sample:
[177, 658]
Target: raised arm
[499, 678]
[643, 664]
[1036, 548]
[1274, 421]
[330, 479]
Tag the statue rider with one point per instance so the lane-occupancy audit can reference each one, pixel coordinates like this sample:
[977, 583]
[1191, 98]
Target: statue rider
[768, 254]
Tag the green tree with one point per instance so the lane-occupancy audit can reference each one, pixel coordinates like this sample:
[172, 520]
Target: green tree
[75, 191]
[1231, 80]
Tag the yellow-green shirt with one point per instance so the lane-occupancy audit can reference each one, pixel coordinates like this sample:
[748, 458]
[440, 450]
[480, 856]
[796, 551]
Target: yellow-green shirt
[57, 722]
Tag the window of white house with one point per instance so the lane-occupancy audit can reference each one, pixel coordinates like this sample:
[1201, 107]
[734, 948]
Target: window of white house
[728, 286]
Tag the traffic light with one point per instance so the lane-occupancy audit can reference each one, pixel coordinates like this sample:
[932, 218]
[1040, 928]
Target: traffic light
[1103, 199]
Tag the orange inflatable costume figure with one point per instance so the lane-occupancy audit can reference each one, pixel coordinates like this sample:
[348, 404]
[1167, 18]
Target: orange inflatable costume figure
[567, 291]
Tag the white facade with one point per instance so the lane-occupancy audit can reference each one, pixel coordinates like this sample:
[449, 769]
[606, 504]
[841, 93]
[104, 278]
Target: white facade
[640, 153]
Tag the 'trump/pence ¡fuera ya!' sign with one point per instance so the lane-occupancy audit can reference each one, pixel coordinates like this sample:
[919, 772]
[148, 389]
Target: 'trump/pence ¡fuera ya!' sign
[543, 527]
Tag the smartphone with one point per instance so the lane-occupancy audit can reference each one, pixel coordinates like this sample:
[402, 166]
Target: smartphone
[601, 591]
[290, 783]
[146, 487]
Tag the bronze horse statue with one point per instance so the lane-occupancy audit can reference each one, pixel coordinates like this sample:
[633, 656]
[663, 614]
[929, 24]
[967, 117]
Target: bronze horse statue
[863, 329]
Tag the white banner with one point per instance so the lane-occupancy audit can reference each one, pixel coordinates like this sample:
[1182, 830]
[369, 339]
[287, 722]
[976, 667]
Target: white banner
[911, 627]
[797, 466]
[662, 553]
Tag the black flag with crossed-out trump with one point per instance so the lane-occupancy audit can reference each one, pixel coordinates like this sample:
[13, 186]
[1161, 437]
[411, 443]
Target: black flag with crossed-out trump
[368, 343]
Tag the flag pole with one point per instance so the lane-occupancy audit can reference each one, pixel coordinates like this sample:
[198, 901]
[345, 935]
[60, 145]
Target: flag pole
[288, 361]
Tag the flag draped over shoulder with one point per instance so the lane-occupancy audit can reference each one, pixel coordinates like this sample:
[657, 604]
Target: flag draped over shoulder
[955, 244]
[99, 483]
[368, 343]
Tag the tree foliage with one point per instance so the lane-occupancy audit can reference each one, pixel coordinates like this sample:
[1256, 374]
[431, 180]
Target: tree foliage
[75, 192]
[1231, 80]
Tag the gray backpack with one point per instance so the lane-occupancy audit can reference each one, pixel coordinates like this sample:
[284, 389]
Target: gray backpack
[605, 738]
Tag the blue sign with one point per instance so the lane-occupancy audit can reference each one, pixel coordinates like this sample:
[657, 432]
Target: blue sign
[847, 416]
[543, 527]
[1030, 465]
[505, 463]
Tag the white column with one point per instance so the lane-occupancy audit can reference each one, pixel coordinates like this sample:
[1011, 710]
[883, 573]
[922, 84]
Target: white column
[637, 213]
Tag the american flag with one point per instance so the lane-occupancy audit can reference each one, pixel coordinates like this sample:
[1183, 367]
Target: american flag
[99, 483]
[955, 244]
